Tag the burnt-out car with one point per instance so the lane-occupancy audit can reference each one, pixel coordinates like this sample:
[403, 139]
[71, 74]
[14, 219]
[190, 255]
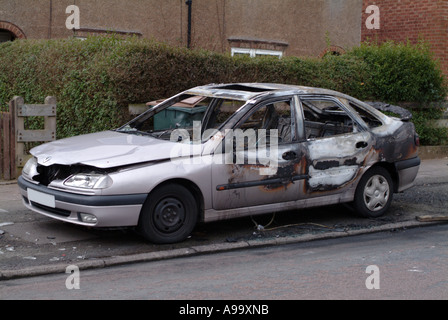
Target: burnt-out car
[249, 149]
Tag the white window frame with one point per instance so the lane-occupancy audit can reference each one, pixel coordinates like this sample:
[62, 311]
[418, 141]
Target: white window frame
[255, 52]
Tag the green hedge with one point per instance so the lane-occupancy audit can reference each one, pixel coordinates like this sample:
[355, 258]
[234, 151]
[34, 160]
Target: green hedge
[402, 72]
[95, 80]
[430, 135]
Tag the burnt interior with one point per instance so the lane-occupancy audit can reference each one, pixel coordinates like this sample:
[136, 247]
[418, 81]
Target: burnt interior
[325, 120]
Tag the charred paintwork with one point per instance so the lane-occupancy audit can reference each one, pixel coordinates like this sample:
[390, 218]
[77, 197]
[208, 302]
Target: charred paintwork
[399, 146]
[336, 161]
[286, 177]
[323, 165]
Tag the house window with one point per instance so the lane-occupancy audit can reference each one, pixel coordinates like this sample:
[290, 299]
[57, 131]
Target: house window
[253, 47]
[256, 52]
[6, 36]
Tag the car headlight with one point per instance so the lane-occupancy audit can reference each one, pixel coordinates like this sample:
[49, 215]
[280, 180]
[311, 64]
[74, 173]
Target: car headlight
[89, 181]
[30, 168]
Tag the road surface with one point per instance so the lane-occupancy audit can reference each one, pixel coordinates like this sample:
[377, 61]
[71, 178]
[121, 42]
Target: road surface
[409, 264]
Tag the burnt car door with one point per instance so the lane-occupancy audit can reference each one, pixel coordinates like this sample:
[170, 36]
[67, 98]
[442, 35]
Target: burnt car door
[338, 145]
[262, 159]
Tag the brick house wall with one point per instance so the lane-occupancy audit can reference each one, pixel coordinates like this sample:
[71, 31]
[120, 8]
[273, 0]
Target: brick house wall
[294, 27]
[403, 20]
[15, 31]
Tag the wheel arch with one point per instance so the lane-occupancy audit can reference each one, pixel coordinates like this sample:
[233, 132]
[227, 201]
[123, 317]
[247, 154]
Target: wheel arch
[391, 169]
[191, 186]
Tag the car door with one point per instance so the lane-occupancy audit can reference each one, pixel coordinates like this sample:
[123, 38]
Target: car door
[263, 161]
[338, 145]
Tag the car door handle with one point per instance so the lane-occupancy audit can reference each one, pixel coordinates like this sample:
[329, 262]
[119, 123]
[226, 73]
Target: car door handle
[289, 155]
[361, 145]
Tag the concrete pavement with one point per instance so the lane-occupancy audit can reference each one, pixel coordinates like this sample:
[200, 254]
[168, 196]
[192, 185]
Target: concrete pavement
[32, 245]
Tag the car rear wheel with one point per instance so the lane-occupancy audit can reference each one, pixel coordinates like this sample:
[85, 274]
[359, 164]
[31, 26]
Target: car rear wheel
[169, 214]
[374, 193]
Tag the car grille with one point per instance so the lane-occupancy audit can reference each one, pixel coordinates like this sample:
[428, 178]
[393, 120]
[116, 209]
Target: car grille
[59, 212]
[61, 172]
[48, 174]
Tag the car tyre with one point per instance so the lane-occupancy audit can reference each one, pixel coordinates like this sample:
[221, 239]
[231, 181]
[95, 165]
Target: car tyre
[374, 193]
[169, 215]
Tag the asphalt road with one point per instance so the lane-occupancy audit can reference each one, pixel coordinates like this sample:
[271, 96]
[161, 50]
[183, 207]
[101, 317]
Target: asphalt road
[407, 264]
[31, 244]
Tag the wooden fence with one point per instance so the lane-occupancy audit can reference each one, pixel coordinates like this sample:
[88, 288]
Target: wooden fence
[8, 169]
[13, 134]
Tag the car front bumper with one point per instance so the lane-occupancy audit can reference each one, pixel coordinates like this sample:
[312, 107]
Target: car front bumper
[93, 211]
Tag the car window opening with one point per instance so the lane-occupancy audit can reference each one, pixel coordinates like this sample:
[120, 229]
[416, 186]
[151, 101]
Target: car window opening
[369, 119]
[272, 118]
[325, 118]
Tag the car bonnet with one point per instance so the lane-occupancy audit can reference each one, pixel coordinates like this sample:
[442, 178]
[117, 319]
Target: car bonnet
[106, 149]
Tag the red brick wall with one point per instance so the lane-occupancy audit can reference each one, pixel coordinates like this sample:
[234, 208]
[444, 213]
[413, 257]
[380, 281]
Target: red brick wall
[403, 20]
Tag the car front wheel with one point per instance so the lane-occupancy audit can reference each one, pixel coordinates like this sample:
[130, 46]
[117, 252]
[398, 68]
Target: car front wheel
[374, 193]
[169, 215]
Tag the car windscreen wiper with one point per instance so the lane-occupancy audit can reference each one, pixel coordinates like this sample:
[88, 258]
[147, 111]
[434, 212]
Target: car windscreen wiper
[135, 132]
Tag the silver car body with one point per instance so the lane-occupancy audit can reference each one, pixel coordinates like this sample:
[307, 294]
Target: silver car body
[123, 167]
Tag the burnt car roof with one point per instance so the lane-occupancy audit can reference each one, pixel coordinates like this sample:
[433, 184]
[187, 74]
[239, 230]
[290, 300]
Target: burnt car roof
[248, 91]
[252, 91]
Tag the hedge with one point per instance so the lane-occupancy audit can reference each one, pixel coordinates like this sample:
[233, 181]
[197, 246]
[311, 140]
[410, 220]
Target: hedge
[94, 80]
[402, 72]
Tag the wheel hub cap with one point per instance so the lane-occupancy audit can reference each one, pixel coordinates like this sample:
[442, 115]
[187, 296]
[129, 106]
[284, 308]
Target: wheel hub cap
[170, 214]
[376, 193]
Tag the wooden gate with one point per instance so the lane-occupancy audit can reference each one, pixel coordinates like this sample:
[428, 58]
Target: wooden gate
[13, 134]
